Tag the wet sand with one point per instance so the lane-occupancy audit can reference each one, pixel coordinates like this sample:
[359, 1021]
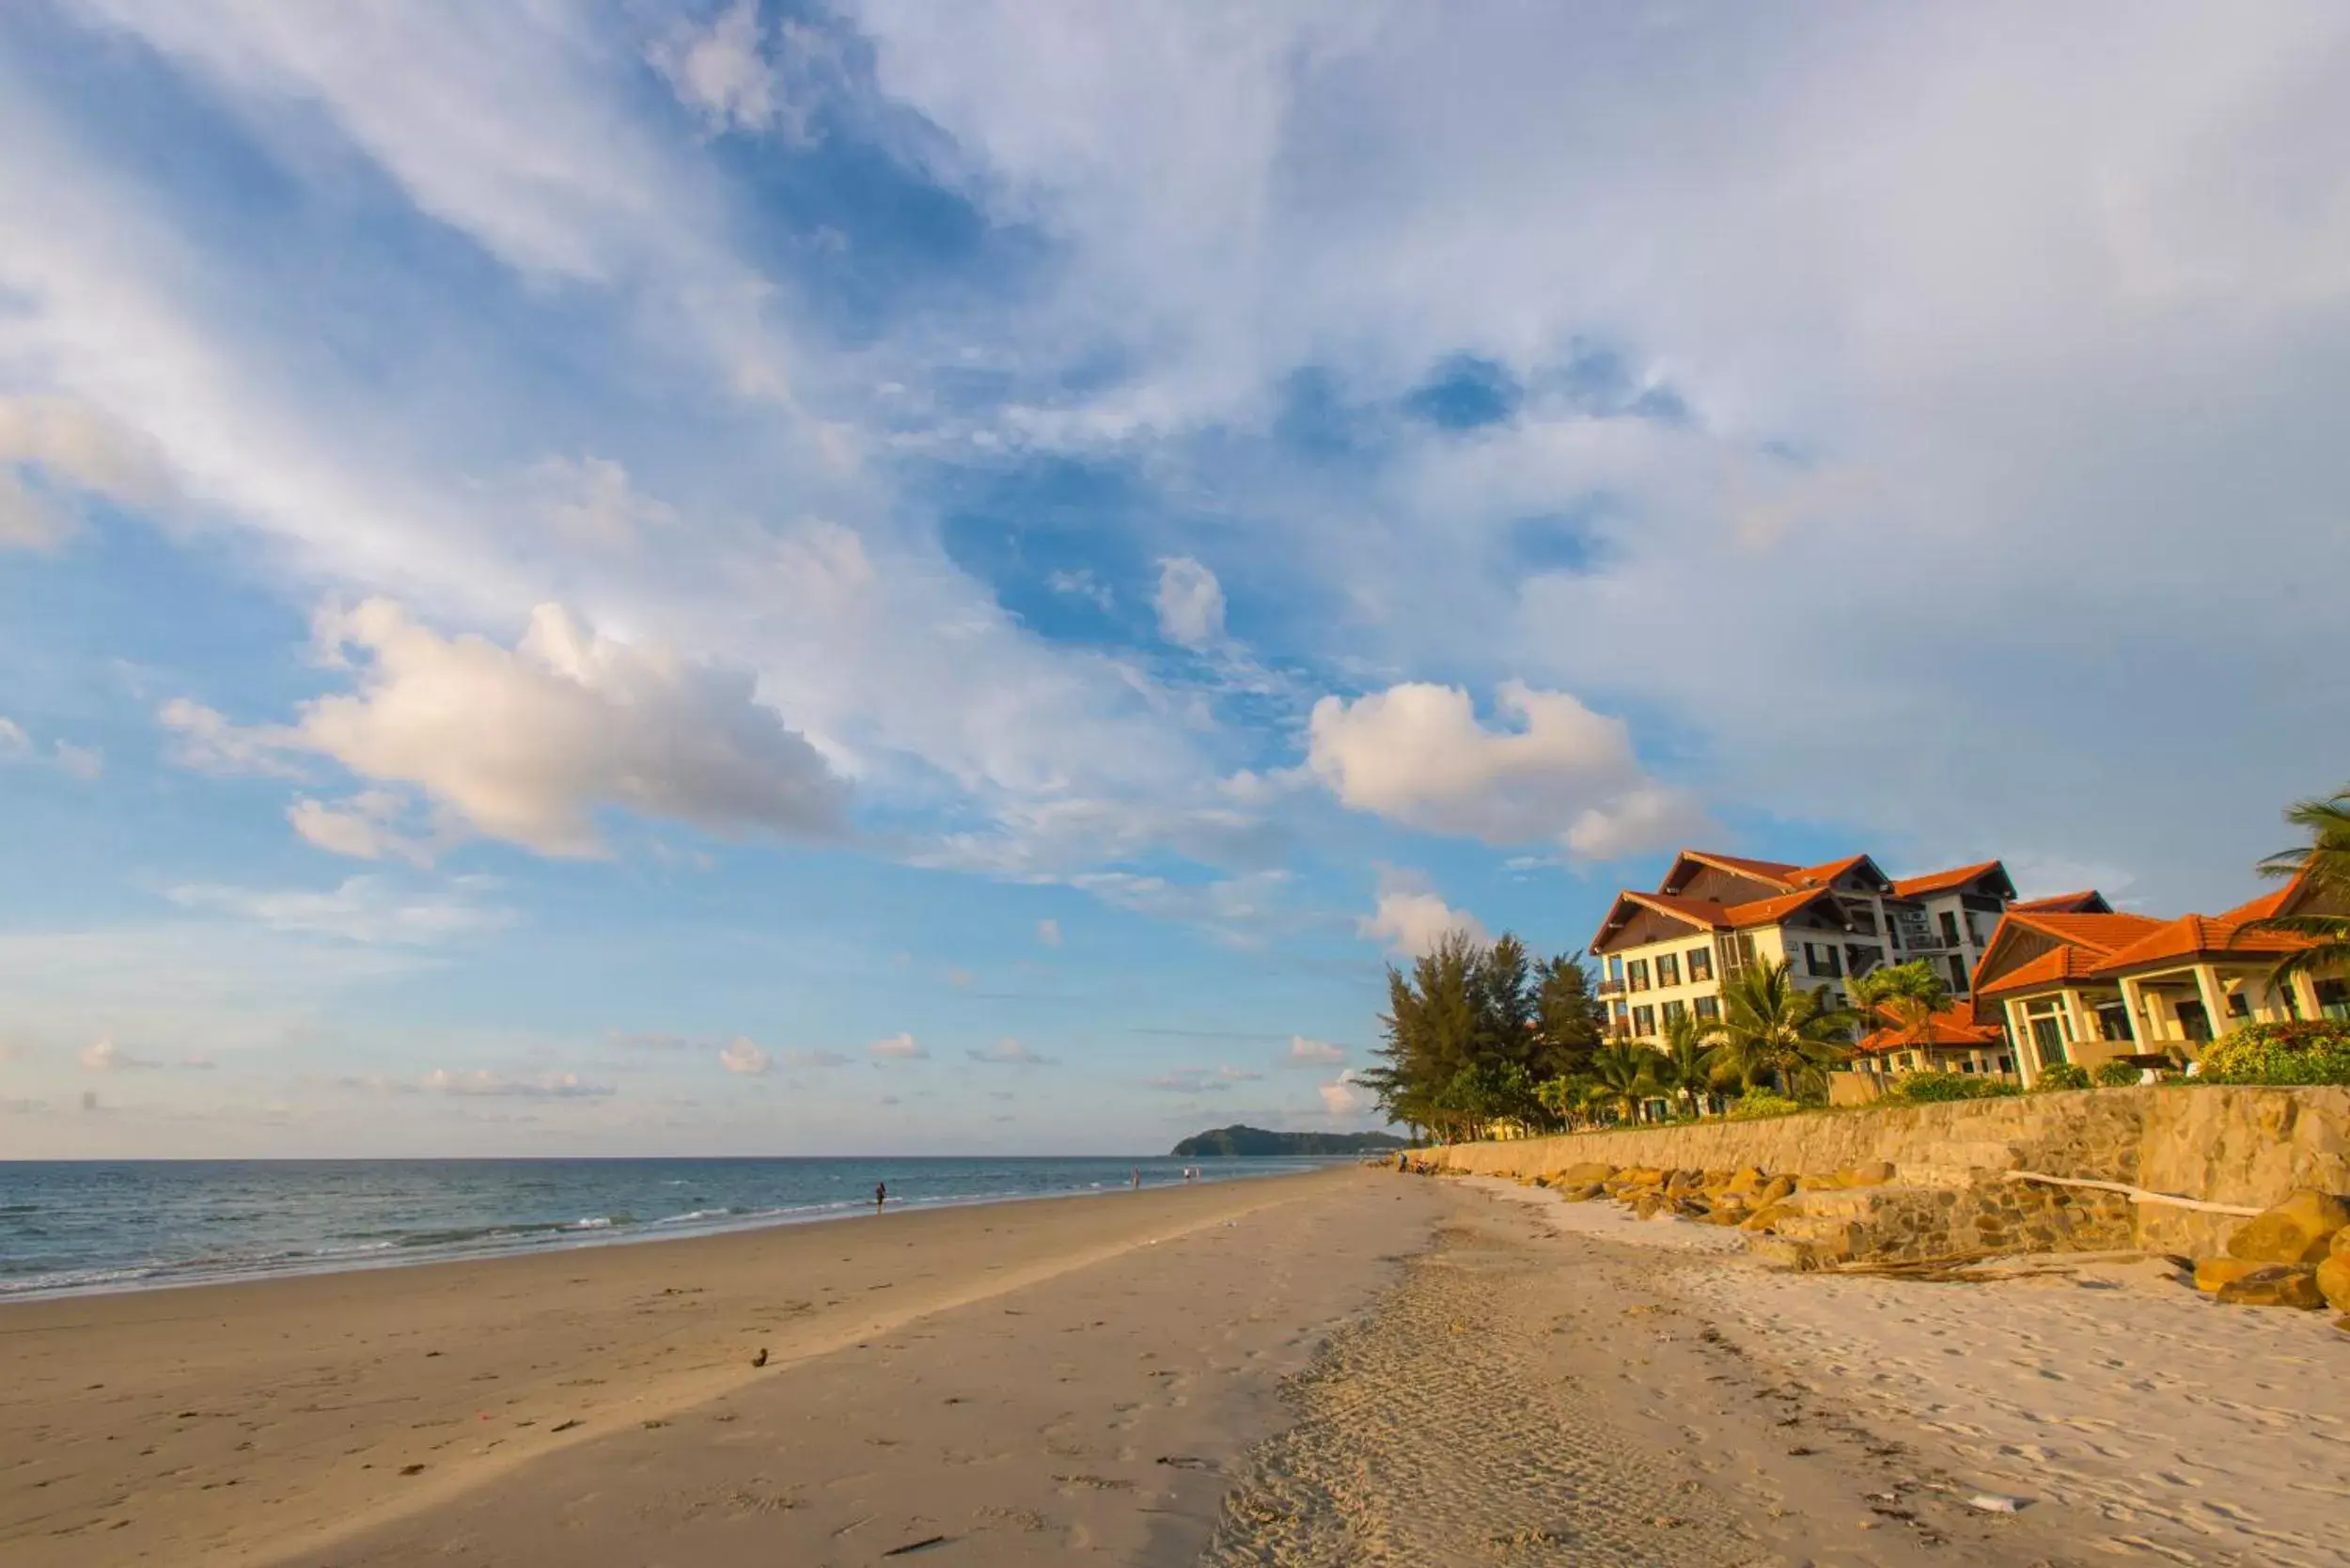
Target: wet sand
[1349, 1368]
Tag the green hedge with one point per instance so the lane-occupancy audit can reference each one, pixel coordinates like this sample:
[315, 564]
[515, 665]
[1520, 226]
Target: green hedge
[2062, 1074]
[1926, 1087]
[2315, 1052]
[2115, 1074]
[1755, 1104]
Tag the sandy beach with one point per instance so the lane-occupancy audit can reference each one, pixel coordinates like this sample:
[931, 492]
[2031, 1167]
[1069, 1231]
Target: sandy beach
[1350, 1367]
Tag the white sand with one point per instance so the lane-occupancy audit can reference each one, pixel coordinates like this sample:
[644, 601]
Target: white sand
[2174, 1428]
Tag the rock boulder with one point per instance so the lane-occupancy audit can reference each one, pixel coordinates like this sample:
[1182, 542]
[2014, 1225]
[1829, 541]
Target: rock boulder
[2275, 1285]
[2301, 1229]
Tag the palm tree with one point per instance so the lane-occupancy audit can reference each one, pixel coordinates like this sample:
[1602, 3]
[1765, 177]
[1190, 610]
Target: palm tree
[1774, 1032]
[1684, 1067]
[2325, 861]
[1627, 1071]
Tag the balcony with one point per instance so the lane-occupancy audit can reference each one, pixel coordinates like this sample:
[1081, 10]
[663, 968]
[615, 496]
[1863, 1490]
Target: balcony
[1610, 988]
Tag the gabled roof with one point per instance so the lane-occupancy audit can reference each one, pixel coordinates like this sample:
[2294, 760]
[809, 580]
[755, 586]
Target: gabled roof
[1769, 870]
[1954, 1026]
[2192, 936]
[2087, 902]
[1769, 912]
[1944, 882]
[2062, 965]
[2082, 942]
[2266, 905]
[1828, 870]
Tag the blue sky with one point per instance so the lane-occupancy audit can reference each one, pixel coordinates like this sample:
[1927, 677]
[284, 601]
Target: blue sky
[833, 578]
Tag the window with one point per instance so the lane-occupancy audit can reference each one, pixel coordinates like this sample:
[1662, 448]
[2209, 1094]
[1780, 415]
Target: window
[1822, 958]
[1636, 974]
[2048, 1033]
[1668, 969]
[2333, 998]
[2006, 1066]
[1737, 951]
[1709, 1007]
[1700, 964]
[2239, 1005]
[1622, 1011]
[1675, 1012]
[1966, 1066]
[1615, 968]
[2113, 1021]
[1949, 928]
[1958, 974]
[1643, 1020]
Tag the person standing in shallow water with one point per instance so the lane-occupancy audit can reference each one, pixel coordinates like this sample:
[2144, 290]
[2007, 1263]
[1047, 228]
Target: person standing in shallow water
[1138, 1179]
[880, 1195]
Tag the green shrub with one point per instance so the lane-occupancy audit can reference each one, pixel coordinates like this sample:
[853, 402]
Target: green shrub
[2114, 1075]
[1755, 1104]
[1926, 1087]
[2314, 1052]
[2062, 1074]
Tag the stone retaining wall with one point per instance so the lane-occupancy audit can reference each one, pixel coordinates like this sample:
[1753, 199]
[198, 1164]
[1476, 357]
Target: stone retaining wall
[2223, 1144]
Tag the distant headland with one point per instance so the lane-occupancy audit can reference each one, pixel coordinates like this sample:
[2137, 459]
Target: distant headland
[1257, 1141]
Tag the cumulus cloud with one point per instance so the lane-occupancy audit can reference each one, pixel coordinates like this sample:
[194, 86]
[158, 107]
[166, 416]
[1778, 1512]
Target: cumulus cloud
[897, 1047]
[727, 72]
[1048, 932]
[74, 448]
[1417, 755]
[1190, 603]
[1010, 1053]
[482, 1084]
[362, 909]
[1312, 1052]
[741, 1055]
[1342, 1096]
[85, 763]
[1410, 919]
[529, 744]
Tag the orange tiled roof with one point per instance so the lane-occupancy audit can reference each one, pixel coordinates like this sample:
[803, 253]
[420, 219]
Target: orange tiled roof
[1697, 912]
[1824, 872]
[1954, 1026]
[1762, 870]
[1939, 881]
[2266, 905]
[1770, 911]
[2099, 933]
[2060, 965]
[2087, 902]
[2197, 935]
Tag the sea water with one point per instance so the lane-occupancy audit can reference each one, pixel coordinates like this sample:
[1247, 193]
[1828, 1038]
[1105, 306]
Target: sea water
[74, 1225]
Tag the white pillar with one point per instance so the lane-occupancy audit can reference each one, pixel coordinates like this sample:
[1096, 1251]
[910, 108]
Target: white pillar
[2215, 1000]
[2019, 1035]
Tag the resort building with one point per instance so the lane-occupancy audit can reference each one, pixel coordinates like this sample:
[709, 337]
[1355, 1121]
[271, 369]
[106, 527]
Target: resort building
[1667, 953]
[1951, 1041]
[2091, 986]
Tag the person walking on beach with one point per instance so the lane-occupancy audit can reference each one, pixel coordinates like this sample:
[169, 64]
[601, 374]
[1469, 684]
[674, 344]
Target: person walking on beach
[880, 1195]
[1137, 1178]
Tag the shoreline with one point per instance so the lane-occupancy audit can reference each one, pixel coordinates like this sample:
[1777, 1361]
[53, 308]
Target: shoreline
[252, 1423]
[534, 1239]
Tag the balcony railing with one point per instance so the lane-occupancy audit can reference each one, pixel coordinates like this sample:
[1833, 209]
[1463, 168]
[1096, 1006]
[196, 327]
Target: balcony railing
[1611, 988]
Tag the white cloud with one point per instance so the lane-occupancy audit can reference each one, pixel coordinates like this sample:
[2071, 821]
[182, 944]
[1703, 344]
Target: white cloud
[1048, 932]
[367, 910]
[79, 762]
[1342, 1097]
[363, 828]
[1410, 919]
[1010, 1053]
[1312, 1052]
[1238, 1074]
[1190, 603]
[1417, 755]
[726, 73]
[14, 743]
[482, 1084]
[528, 745]
[1188, 1080]
[1081, 583]
[744, 1056]
[74, 447]
[206, 742]
[897, 1047]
